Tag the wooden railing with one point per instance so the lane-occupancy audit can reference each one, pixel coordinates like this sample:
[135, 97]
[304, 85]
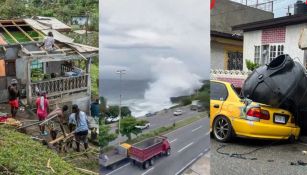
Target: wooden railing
[65, 68]
[63, 85]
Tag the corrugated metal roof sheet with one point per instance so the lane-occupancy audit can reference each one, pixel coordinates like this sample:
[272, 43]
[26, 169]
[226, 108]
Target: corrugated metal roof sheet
[36, 25]
[52, 23]
[58, 36]
[83, 48]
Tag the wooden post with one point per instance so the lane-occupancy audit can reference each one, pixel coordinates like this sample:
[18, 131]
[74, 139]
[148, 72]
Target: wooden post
[28, 88]
[88, 71]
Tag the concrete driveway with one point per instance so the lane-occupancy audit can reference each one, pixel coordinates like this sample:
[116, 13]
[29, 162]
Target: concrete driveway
[254, 157]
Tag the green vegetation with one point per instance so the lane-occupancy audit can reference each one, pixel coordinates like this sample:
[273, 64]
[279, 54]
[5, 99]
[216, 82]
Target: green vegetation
[251, 65]
[105, 136]
[95, 79]
[61, 9]
[114, 111]
[166, 129]
[127, 127]
[202, 94]
[21, 155]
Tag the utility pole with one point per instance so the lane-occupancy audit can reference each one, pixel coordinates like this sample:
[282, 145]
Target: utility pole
[120, 72]
[86, 24]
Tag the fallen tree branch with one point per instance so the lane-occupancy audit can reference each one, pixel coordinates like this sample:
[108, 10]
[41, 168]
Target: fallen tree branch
[49, 166]
[87, 171]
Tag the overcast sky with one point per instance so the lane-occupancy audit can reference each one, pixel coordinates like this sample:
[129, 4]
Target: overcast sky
[136, 34]
[281, 7]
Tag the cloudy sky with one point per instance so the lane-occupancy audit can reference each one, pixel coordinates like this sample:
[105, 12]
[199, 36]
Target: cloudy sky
[137, 34]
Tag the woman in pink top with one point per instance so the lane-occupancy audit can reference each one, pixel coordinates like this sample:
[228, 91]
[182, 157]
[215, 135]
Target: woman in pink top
[42, 106]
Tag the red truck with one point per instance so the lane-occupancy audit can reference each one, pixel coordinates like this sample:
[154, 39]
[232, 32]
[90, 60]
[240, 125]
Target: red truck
[145, 152]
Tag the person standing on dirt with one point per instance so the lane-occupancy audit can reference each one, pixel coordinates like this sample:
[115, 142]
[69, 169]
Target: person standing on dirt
[60, 113]
[42, 106]
[79, 119]
[13, 97]
[49, 42]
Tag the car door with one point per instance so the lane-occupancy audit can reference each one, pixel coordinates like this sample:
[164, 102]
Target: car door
[218, 94]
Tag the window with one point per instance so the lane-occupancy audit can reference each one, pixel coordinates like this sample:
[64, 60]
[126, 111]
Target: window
[10, 68]
[275, 51]
[272, 53]
[257, 55]
[280, 50]
[36, 65]
[218, 91]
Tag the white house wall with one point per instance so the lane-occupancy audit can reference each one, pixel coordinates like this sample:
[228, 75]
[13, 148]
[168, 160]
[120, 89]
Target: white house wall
[251, 39]
[217, 56]
[292, 39]
[21, 70]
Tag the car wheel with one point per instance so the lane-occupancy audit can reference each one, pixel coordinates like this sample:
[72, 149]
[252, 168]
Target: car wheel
[145, 165]
[222, 129]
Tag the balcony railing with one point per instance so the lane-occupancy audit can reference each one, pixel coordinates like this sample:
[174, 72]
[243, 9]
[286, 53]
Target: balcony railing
[59, 86]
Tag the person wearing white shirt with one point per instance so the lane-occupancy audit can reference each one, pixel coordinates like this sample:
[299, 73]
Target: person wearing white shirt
[79, 119]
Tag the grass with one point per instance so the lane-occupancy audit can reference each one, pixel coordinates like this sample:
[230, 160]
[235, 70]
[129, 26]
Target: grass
[94, 79]
[167, 129]
[21, 155]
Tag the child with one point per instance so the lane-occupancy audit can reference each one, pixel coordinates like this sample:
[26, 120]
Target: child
[42, 106]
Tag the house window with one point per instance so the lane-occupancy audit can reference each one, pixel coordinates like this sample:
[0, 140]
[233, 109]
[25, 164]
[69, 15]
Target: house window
[36, 65]
[257, 55]
[274, 51]
[280, 50]
[10, 68]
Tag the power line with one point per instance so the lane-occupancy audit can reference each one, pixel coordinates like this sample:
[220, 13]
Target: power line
[246, 8]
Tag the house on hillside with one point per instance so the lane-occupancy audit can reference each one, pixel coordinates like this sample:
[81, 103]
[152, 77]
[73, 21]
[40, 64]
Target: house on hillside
[265, 40]
[63, 73]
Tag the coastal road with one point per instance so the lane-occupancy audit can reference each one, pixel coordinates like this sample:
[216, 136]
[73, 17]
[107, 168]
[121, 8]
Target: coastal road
[162, 118]
[188, 144]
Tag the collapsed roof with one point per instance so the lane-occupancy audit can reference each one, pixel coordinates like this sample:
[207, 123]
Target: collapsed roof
[26, 35]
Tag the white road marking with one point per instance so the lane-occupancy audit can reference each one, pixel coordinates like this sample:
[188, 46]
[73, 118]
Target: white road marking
[208, 133]
[185, 147]
[179, 172]
[173, 141]
[196, 129]
[118, 169]
[148, 170]
[192, 161]
[183, 127]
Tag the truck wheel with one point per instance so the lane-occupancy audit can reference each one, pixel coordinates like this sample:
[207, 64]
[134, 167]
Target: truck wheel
[152, 161]
[132, 162]
[168, 152]
[145, 165]
[113, 167]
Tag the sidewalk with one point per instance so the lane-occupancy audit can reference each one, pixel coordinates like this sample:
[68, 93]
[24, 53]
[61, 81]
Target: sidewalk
[200, 167]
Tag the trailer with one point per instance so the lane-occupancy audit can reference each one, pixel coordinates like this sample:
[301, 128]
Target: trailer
[112, 158]
[145, 152]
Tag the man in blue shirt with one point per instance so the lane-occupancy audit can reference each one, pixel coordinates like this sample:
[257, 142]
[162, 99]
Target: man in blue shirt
[79, 119]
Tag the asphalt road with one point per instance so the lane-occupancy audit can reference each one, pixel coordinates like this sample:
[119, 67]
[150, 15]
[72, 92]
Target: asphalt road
[263, 157]
[188, 144]
[162, 118]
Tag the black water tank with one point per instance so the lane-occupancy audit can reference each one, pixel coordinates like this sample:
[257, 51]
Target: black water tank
[300, 8]
[282, 84]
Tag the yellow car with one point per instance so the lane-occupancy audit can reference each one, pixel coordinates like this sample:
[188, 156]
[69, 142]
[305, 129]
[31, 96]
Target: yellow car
[232, 116]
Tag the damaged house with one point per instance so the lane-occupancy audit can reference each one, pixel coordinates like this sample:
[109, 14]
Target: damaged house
[63, 73]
